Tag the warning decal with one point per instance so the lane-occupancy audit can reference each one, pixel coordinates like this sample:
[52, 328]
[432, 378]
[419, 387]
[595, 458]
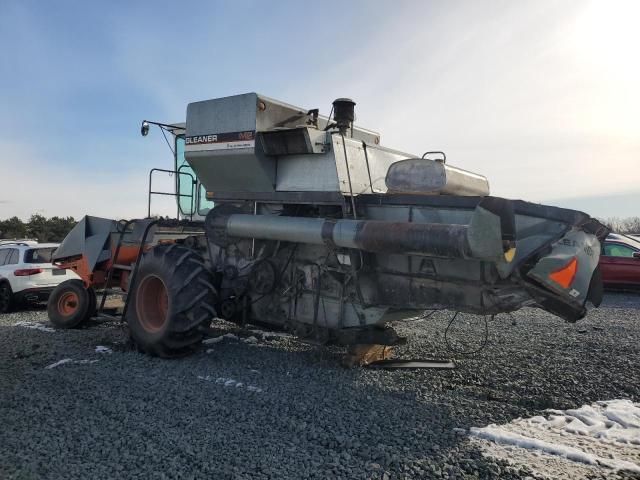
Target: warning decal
[220, 141]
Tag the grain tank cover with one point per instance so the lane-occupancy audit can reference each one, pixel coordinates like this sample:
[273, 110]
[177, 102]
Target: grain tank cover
[224, 147]
[253, 144]
[220, 144]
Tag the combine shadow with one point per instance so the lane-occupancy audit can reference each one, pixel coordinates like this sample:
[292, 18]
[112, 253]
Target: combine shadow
[312, 419]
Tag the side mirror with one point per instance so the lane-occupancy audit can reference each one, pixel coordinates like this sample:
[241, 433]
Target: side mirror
[144, 128]
[636, 255]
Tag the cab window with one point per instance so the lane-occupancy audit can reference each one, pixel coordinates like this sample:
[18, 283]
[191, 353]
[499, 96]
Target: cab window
[204, 205]
[617, 250]
[183, 182]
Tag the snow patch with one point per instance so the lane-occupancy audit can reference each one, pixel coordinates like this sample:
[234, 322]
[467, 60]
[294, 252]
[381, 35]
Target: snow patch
[229, 336]
[602, 435]
[103, 349]
[69, 360]
[211, 341]
[229, 382]
[266, 335]
[34, 326]
[58, 363]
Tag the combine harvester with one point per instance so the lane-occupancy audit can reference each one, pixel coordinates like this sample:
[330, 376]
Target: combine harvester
[319, 230]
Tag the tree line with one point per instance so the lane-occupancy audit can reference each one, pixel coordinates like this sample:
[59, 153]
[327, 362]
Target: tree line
[38, 227]
[628, 225]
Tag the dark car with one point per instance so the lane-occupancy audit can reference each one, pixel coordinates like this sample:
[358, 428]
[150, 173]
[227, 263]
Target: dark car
[620, 261]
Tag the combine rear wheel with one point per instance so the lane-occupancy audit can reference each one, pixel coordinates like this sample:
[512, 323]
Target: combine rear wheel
[70, 304]
[171, 303]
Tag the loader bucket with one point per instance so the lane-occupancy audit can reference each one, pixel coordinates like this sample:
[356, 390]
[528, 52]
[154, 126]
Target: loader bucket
[89, 238]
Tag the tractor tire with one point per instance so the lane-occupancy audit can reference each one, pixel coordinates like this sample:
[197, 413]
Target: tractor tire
[70, 304]
[6, 297]
[171, 303]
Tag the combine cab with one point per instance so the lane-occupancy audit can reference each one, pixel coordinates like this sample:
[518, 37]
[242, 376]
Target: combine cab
[319, 230]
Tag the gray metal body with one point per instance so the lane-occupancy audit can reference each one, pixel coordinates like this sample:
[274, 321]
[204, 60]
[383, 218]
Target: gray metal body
[328, 233]
[327, 281]
[324, 232]
[252, 144]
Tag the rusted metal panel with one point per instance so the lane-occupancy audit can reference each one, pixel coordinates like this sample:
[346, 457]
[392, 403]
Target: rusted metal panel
[438, 240]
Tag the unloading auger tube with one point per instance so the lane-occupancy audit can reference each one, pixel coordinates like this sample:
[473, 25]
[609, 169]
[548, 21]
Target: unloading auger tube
[320, 230]
[489, 236]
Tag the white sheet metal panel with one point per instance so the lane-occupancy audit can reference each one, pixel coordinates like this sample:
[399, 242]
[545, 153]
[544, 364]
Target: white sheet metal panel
[366, 172]
[302, 173]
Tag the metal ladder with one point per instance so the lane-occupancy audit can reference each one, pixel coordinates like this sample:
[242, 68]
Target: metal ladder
[100, 313]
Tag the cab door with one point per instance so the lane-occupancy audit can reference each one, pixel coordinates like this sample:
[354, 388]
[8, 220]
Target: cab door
[196, 206]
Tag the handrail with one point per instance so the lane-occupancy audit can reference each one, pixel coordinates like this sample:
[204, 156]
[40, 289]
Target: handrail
[176, 194]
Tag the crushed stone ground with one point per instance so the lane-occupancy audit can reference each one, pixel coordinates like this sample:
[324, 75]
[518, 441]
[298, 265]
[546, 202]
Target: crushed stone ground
[277, 408]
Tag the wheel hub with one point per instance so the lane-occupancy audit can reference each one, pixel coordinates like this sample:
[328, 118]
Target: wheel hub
[68, 303]
[152, 303]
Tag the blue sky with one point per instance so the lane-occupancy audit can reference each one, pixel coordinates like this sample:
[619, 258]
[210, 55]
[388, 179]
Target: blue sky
[539, 96]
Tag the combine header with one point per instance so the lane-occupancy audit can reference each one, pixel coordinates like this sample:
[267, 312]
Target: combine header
[319, 230]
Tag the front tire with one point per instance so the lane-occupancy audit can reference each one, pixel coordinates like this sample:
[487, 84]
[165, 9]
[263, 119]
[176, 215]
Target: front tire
[70, 304]
[171, 302]
[6, 298]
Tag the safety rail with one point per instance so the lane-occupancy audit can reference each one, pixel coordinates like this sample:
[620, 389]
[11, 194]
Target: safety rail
[176, 194]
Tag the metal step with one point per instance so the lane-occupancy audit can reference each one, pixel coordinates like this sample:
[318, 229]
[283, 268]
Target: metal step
[122, 267]
[111, 291]
[106, 316]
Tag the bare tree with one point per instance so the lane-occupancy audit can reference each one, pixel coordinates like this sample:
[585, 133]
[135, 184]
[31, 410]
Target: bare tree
[630, 225]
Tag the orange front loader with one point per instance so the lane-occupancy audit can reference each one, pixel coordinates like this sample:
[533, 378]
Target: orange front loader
[102, 253]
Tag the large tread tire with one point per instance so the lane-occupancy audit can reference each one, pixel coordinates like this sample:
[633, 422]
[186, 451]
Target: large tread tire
[171, 303]
[6, 297]
[70, 304]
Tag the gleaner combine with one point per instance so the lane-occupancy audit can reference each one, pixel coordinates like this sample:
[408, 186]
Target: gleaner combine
[306, 223]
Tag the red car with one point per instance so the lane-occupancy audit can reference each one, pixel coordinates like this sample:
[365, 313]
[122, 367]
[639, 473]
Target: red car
[620, 261]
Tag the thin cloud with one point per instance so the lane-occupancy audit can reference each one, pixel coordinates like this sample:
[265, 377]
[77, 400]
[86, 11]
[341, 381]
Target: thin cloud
[39, 187]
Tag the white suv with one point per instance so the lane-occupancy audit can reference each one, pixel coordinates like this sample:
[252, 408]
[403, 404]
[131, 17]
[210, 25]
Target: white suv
[26, 272]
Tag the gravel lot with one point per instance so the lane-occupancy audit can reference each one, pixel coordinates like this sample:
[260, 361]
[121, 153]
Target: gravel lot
[278, 408]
